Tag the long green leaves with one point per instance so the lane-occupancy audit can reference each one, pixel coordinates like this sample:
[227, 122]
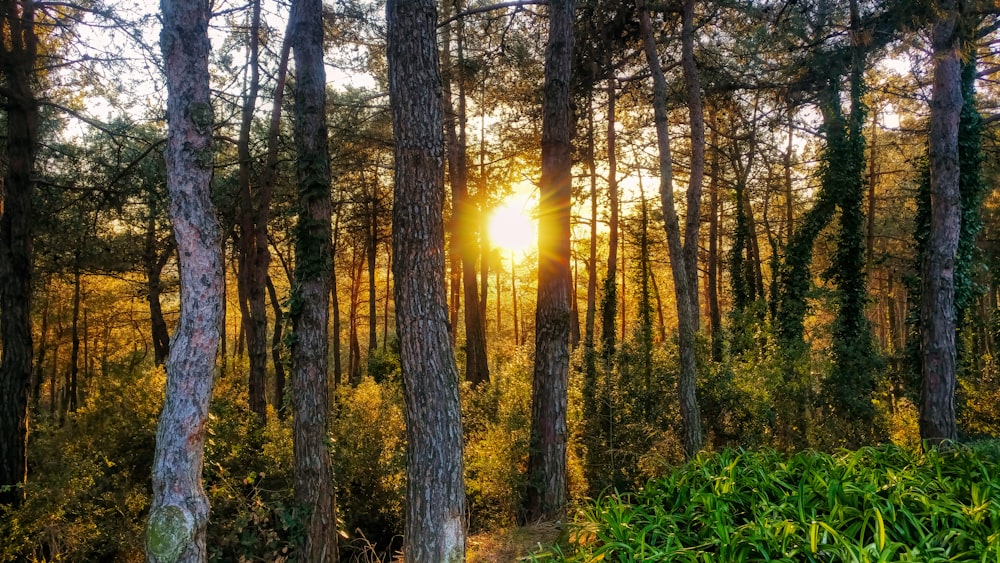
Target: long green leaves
[870, 505]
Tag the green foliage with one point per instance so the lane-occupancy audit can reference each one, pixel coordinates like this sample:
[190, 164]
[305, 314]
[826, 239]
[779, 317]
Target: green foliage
[87, 494]
[370, 459]
[496, 418]
[248, 477]
[873, 504]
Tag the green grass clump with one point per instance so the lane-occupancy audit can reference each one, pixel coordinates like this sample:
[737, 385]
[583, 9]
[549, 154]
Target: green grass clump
[875, 504]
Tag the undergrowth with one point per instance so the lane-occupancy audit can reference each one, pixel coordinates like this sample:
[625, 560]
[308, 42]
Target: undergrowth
[874, 504]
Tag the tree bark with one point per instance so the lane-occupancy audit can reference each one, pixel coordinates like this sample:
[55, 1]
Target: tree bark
[154, 260]
[179, 512]
[18, 52]
[335, 299]
[546, 488]
[311, 301]
[278, 401]
[937, 307]
[712, 289]
[692, 433]
[692, 219]
[435, 514]
[609, 303]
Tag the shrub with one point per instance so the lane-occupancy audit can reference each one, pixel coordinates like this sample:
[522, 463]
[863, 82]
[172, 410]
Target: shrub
[873, 504]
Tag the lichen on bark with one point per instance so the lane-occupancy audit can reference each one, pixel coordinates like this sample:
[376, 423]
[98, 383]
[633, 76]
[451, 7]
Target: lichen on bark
[168, 532]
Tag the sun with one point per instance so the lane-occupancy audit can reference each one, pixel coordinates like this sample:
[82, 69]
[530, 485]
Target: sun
[512, 228]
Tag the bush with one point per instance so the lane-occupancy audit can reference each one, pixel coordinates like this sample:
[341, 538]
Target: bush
[88, 488]
[873, 504]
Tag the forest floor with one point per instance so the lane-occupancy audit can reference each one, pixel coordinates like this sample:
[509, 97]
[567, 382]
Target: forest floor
[511, 544]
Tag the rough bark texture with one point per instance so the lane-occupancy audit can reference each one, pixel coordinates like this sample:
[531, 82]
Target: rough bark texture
[311, 300]
[435, 495]
[937, 307]
[546, 490]
[692, 219]
[693, 435]
[179, 511]
[17, 59]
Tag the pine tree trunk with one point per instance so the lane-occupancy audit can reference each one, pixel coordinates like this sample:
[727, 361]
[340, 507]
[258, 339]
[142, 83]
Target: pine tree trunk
[547, 487]
[251, 285]
[311, 302]
[609, 303]
[692, 219]
[17, 59]
[335, 301]
[465, 224]
[179, 511]
[712, 289]
[435, 514]
[937, 308]
[692, 433]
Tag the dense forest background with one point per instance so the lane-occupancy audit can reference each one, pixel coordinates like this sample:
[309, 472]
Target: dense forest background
[778, 307]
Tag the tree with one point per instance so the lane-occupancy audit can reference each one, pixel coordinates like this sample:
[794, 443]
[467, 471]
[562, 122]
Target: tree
[464, 213]
[310, 310]
[937, 307]
[179, 511]
[684, 295]
[435, 494]
[546, 492]
[17, 65]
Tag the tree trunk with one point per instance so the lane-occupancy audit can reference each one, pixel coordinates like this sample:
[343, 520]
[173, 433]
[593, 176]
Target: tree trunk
[335, 299]
[278, 401]
[154, 260]
[179, 511]
[609, 303]
[712, 289]
[371, 252]
[72, 391]
[313, 269]
[435, 514]
[354, 344]
[546, 488]
[937, 307]
[693, 435]
[251, 288]
[37, 372]
[17, 60]
[692, 219]
[465, 222]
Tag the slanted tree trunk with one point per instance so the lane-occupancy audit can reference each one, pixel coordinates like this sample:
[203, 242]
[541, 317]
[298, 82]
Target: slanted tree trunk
[937, 307]
[435, 494]
[692, 433]
[17, 60]
[546, 490]
[313, 475]
[179, 512]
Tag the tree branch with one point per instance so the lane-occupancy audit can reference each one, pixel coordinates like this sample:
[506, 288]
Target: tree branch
[493, 7]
